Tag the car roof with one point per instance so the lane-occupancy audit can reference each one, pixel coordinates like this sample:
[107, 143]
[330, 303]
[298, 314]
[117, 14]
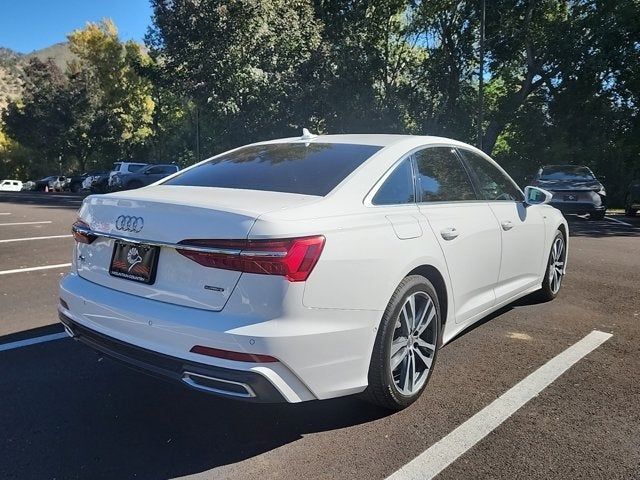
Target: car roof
[381, 140]
[565, 166]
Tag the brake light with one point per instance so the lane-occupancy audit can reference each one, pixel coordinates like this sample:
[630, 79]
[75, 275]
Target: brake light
[229, 355]
[82, 232]
[293, 258]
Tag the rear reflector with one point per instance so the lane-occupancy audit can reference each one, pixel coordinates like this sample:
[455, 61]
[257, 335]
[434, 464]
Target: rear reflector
[293, 258]
[81, 232]
[237, 356]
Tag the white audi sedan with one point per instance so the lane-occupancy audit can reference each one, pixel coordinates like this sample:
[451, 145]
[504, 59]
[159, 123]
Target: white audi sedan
[310, 267]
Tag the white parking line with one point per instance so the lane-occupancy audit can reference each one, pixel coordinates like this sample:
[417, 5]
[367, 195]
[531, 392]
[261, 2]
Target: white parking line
[9, 240]
[24, 223]
[32, 341]
[5, 213]
[33, 269]
[619, 221]
[444, 452]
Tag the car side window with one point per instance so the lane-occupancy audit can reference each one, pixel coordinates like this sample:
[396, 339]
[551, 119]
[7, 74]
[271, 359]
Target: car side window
[492, 183]
[155, 170]
[135, 167]
[398, 188]
[442, 177]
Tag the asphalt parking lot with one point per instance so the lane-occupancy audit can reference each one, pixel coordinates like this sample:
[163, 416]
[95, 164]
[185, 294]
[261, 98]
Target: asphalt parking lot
[67, 412]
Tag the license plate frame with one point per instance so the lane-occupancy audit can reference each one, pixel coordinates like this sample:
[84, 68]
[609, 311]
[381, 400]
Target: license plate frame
[134, 262]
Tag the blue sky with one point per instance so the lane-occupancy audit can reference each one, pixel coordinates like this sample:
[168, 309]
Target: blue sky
[27, 25]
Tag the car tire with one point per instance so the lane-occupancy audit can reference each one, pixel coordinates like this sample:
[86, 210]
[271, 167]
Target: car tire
[396, 388]
[75, 187]
[628, 211]
[552, 281]
[597, 215]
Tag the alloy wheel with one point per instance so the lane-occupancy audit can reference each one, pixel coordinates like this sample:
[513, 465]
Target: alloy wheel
[556, 265]
[414, 342]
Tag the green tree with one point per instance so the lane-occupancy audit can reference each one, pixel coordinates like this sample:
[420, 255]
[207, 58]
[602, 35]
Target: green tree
[238, 60]
[41, 118]
[111, 88]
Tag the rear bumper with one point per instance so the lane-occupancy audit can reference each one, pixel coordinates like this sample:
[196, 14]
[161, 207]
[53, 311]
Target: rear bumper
[207, 378]
[578, 207]
[322, 353]
[582, 202]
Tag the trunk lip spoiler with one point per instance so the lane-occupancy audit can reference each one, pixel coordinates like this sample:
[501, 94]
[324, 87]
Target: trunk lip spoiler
[175, 246]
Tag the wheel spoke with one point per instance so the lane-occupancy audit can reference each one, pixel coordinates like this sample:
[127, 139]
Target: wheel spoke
[424, 323]
[397, 344]
[406, 373]
[426, 360]
[412, 370]
[398, 357]
[412, 318]
[405, 319]
[423, 344]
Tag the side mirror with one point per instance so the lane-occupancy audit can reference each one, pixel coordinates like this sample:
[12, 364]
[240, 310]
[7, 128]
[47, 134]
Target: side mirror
[536, 196]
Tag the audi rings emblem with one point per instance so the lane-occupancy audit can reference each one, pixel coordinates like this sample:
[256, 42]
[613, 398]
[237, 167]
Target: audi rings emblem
[129, 224]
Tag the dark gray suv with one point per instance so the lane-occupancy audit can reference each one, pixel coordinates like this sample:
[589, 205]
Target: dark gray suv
[143, 177]
[575, 189]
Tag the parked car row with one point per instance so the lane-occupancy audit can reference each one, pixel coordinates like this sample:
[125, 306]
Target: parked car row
[131, 176]
[575, 188]
[122, 176]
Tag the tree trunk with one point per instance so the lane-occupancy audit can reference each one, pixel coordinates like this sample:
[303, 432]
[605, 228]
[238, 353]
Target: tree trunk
[491, 135]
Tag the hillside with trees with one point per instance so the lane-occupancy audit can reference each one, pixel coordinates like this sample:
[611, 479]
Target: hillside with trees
[562, 82]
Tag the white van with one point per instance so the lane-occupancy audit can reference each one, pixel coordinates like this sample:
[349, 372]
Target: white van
[10, 186]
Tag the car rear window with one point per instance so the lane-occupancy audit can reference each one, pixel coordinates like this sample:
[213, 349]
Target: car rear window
[309, 169]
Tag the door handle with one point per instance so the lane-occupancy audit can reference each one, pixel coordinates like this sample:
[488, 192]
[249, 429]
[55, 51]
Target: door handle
[507, 225]
[449, 233]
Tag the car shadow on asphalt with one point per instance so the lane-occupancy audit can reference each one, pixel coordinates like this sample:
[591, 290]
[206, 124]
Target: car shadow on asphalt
[68, 412]
[528, 300]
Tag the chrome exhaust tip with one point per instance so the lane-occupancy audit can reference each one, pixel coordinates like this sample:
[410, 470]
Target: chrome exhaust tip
[69, 331]
[218, 386]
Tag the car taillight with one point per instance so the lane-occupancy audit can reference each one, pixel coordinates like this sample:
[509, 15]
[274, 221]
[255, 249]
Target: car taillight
[293, 258]
[82, 232]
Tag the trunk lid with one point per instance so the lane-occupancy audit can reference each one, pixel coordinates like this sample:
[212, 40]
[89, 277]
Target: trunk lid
[171, 214]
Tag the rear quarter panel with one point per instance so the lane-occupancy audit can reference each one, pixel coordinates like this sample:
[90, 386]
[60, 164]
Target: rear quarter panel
[364, 259]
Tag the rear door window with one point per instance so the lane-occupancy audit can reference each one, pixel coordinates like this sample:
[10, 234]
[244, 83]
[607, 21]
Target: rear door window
[442, 177]
[305, 168]
[134, 167]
